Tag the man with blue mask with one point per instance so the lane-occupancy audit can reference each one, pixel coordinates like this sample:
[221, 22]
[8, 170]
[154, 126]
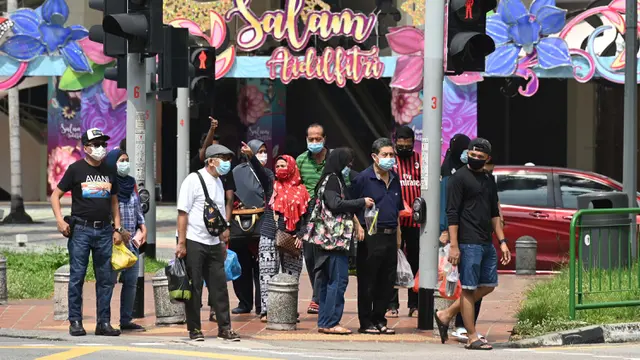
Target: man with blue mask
[377, 254]
[205, 253]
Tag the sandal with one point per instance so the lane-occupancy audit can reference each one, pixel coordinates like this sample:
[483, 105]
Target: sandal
[337, 330]
[263, 318]
[313, 308]
[371, 330]
[322, 330]
[478, 345]
[443, 329]
[391, 314]
[385, 330]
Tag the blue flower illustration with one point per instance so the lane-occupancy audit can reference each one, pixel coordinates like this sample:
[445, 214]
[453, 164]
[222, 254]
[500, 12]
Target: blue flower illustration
[42, 32]
[514, 28]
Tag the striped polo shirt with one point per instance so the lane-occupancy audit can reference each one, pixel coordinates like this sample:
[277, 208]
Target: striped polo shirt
[311, 171]
[408, 170]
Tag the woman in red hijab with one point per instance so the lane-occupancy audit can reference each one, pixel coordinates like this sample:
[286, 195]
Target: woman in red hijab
[288, 200]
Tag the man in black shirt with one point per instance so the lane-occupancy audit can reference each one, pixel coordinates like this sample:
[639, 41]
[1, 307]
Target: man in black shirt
[472, 213]
[94, 205]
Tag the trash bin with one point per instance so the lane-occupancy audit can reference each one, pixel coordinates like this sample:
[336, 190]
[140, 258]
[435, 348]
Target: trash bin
[605, 238]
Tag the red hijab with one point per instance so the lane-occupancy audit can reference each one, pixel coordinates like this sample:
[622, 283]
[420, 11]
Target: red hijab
[290, 197]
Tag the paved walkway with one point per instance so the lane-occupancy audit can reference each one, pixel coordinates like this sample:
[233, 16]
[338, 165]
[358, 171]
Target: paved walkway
[496, 318]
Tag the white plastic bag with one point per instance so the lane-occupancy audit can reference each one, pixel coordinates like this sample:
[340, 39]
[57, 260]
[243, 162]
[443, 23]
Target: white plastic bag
[404, 275]
[371, 220]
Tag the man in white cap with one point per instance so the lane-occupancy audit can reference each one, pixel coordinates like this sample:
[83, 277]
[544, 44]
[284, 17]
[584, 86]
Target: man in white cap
[202, 195]
[94, 206]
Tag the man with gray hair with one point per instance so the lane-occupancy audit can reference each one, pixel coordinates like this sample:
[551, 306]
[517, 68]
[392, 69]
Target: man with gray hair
[202, 196]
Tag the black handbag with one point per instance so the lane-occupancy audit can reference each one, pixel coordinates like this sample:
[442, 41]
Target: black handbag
[213, 219]
[246, 222]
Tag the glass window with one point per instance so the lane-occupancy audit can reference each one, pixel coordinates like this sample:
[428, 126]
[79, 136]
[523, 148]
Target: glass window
[523, 189]
[573, 186]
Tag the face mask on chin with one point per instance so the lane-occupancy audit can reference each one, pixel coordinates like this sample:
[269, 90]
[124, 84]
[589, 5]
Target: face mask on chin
[98, 153]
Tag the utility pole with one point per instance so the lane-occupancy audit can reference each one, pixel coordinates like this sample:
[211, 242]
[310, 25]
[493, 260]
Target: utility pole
[17, 215]
[630, 152]
[136, 136]
[182, 104]
[431, 142]
[150, 150]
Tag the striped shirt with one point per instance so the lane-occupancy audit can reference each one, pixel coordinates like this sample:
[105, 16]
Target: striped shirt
[310, 170]
[408, 170]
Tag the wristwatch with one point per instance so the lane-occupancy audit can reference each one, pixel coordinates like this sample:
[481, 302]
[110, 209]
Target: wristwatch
[503, 241]
[120, 230]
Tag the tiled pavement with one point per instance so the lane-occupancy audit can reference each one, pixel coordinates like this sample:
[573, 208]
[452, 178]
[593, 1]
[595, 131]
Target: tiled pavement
[496, 318]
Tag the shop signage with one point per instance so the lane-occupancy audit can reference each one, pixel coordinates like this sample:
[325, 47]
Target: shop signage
[333, 65]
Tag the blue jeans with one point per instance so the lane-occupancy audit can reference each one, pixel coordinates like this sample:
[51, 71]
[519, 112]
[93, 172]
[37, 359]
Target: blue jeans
[99, 242]
[129, 279]
[331, 282]
[478, 266]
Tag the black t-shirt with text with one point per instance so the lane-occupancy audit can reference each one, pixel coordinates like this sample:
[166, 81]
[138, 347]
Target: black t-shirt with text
[227, 180]
[91, 190]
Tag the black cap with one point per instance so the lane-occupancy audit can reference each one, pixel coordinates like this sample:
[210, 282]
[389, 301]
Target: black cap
[93, 134]
[480, 144]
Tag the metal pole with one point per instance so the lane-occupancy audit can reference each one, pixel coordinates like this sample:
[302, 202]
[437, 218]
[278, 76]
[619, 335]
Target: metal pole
[150, 149]
[136, 107]
[630, 152]
[182, 103]
[431, 141]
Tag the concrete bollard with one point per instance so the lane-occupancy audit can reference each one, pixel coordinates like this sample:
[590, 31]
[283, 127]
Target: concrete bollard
[526, 252]
[167, 313]
[440, 303]
[4, 293]
[282, 303]
[61, 293]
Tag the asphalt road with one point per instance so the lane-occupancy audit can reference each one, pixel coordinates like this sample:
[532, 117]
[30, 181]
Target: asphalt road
[142, 348]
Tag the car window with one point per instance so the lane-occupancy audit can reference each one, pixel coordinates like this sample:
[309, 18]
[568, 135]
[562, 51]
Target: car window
[523, 189]
[573, 186]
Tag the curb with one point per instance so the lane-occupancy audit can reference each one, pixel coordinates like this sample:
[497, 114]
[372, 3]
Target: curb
[31, 334]
[595, 334]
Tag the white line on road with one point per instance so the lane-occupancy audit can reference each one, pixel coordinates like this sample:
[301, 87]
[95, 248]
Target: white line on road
[36, 345]
[311, 356]
[90, 344]
[148, 344]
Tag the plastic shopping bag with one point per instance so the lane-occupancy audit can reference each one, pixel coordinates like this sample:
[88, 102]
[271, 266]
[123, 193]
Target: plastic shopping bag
[448, 278]
[404, 275]
[232, 267]
[371, 220]
[122, 258]
[179, 282]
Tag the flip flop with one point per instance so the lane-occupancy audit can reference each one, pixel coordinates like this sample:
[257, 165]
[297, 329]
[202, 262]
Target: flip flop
[337, 330]
[478, 345]
[392, 314]
[385, 330]
[371, 330]
[442, 328]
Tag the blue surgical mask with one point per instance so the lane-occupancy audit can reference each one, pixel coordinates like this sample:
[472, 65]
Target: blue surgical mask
[464, 157]
[315, 148]
[387, 164]
[345, 172]
[223, 168]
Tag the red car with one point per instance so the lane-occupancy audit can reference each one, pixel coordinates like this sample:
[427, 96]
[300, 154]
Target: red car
[539, 201]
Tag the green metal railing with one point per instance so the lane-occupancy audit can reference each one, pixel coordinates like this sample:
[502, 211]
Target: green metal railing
[607, 265]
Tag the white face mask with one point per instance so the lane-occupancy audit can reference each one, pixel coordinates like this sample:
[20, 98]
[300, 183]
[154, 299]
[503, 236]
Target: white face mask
[123, 168]
[98, 153]
[262, 158]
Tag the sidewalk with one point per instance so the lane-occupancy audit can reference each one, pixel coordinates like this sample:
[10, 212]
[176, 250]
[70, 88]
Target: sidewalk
[496, 318]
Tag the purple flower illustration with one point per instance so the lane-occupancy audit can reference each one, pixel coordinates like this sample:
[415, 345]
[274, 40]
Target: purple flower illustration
[514, 28]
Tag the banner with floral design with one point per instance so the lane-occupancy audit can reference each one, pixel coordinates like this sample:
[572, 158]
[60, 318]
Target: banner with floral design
[261, 107]
[70, 113]
[459, 114]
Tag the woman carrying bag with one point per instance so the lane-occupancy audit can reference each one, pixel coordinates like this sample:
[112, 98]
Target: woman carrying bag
[333, 230]
[283, 226]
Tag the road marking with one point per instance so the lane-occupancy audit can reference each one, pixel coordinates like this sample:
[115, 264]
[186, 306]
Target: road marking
[69, 354]
[288, 353]
[91, 344]
[36, 345]
[148, 344]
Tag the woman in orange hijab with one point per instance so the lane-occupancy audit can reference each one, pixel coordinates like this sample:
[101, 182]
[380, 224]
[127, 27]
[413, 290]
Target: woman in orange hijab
[285, 212]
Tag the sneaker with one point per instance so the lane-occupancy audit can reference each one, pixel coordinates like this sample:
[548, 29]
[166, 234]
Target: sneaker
[76, 329]
[228, 335]
[105, 329]
[131, 327]
[196, 335]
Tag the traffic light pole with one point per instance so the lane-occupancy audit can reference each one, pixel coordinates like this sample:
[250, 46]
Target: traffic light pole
[150, 150]
[182, 105]
[430, 167]
[136, 107]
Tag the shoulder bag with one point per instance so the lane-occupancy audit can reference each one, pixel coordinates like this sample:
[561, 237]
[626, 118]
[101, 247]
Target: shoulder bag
[213, 219]
[285, 241]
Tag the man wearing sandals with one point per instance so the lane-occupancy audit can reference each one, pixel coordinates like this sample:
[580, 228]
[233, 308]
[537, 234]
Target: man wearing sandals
[472, 213]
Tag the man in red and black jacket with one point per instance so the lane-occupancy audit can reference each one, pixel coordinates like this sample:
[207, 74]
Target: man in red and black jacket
[408, 170]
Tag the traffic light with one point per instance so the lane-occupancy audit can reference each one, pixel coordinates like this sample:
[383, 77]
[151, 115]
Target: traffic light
[467, 42]
[141, 25]
[118, 73]
[112, 45]
[203, 62]
[173, 64]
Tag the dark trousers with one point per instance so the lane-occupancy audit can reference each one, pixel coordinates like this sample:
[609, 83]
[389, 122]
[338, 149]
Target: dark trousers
[332, 281]
[309, 252]
[411, 244]
[247, 249]
[100, 243]
[459, 322]
[376, 264]
[206, 263]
